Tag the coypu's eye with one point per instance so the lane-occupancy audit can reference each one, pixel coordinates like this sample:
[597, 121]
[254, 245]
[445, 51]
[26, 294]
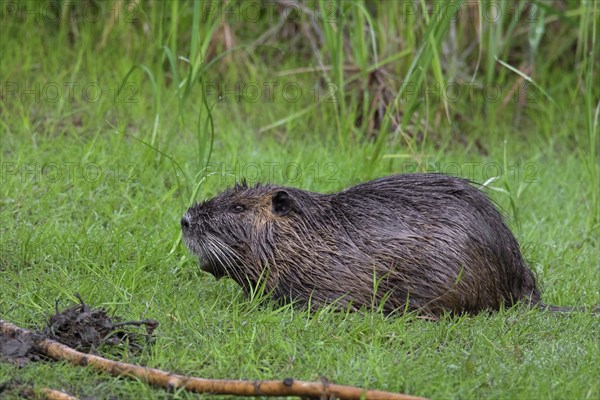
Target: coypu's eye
[237, 208]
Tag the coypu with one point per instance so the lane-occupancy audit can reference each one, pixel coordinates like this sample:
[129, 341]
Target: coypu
[425, 242]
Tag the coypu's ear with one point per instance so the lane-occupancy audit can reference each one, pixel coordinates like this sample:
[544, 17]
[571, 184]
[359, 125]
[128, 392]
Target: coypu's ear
[281, 203]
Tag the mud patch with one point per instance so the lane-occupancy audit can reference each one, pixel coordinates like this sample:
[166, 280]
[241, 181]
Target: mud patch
[18, 350]
[83, 328]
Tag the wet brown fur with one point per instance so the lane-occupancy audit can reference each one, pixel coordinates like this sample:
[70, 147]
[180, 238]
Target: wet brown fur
[424, 242]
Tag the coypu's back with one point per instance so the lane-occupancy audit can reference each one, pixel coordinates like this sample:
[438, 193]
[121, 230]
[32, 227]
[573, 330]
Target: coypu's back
[426, 242]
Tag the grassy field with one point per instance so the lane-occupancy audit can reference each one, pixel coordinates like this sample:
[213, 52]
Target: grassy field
[116, 116]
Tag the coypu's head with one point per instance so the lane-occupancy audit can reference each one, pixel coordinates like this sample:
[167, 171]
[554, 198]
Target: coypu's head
[234, 233]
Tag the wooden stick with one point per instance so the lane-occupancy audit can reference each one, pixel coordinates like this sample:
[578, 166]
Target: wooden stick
[28, 391]
[285, 387]
[52, 394]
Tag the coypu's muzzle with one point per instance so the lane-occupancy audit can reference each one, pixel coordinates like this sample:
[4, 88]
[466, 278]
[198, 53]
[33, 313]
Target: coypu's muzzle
[212, 268]
[197, 241]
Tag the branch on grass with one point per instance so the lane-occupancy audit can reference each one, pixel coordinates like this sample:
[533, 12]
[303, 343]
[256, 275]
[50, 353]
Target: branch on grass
[53, 394]
[285, 387]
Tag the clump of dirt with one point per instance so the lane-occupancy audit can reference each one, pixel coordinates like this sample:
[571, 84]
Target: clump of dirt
[82, 328]
[18, 350]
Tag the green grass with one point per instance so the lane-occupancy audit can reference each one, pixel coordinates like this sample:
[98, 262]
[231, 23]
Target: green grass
[92, 190]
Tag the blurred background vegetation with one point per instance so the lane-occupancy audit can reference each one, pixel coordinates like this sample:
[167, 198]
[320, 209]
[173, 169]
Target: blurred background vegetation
[396, 74]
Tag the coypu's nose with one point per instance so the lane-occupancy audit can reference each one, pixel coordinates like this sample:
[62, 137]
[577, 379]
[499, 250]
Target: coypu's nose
[185, 222]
